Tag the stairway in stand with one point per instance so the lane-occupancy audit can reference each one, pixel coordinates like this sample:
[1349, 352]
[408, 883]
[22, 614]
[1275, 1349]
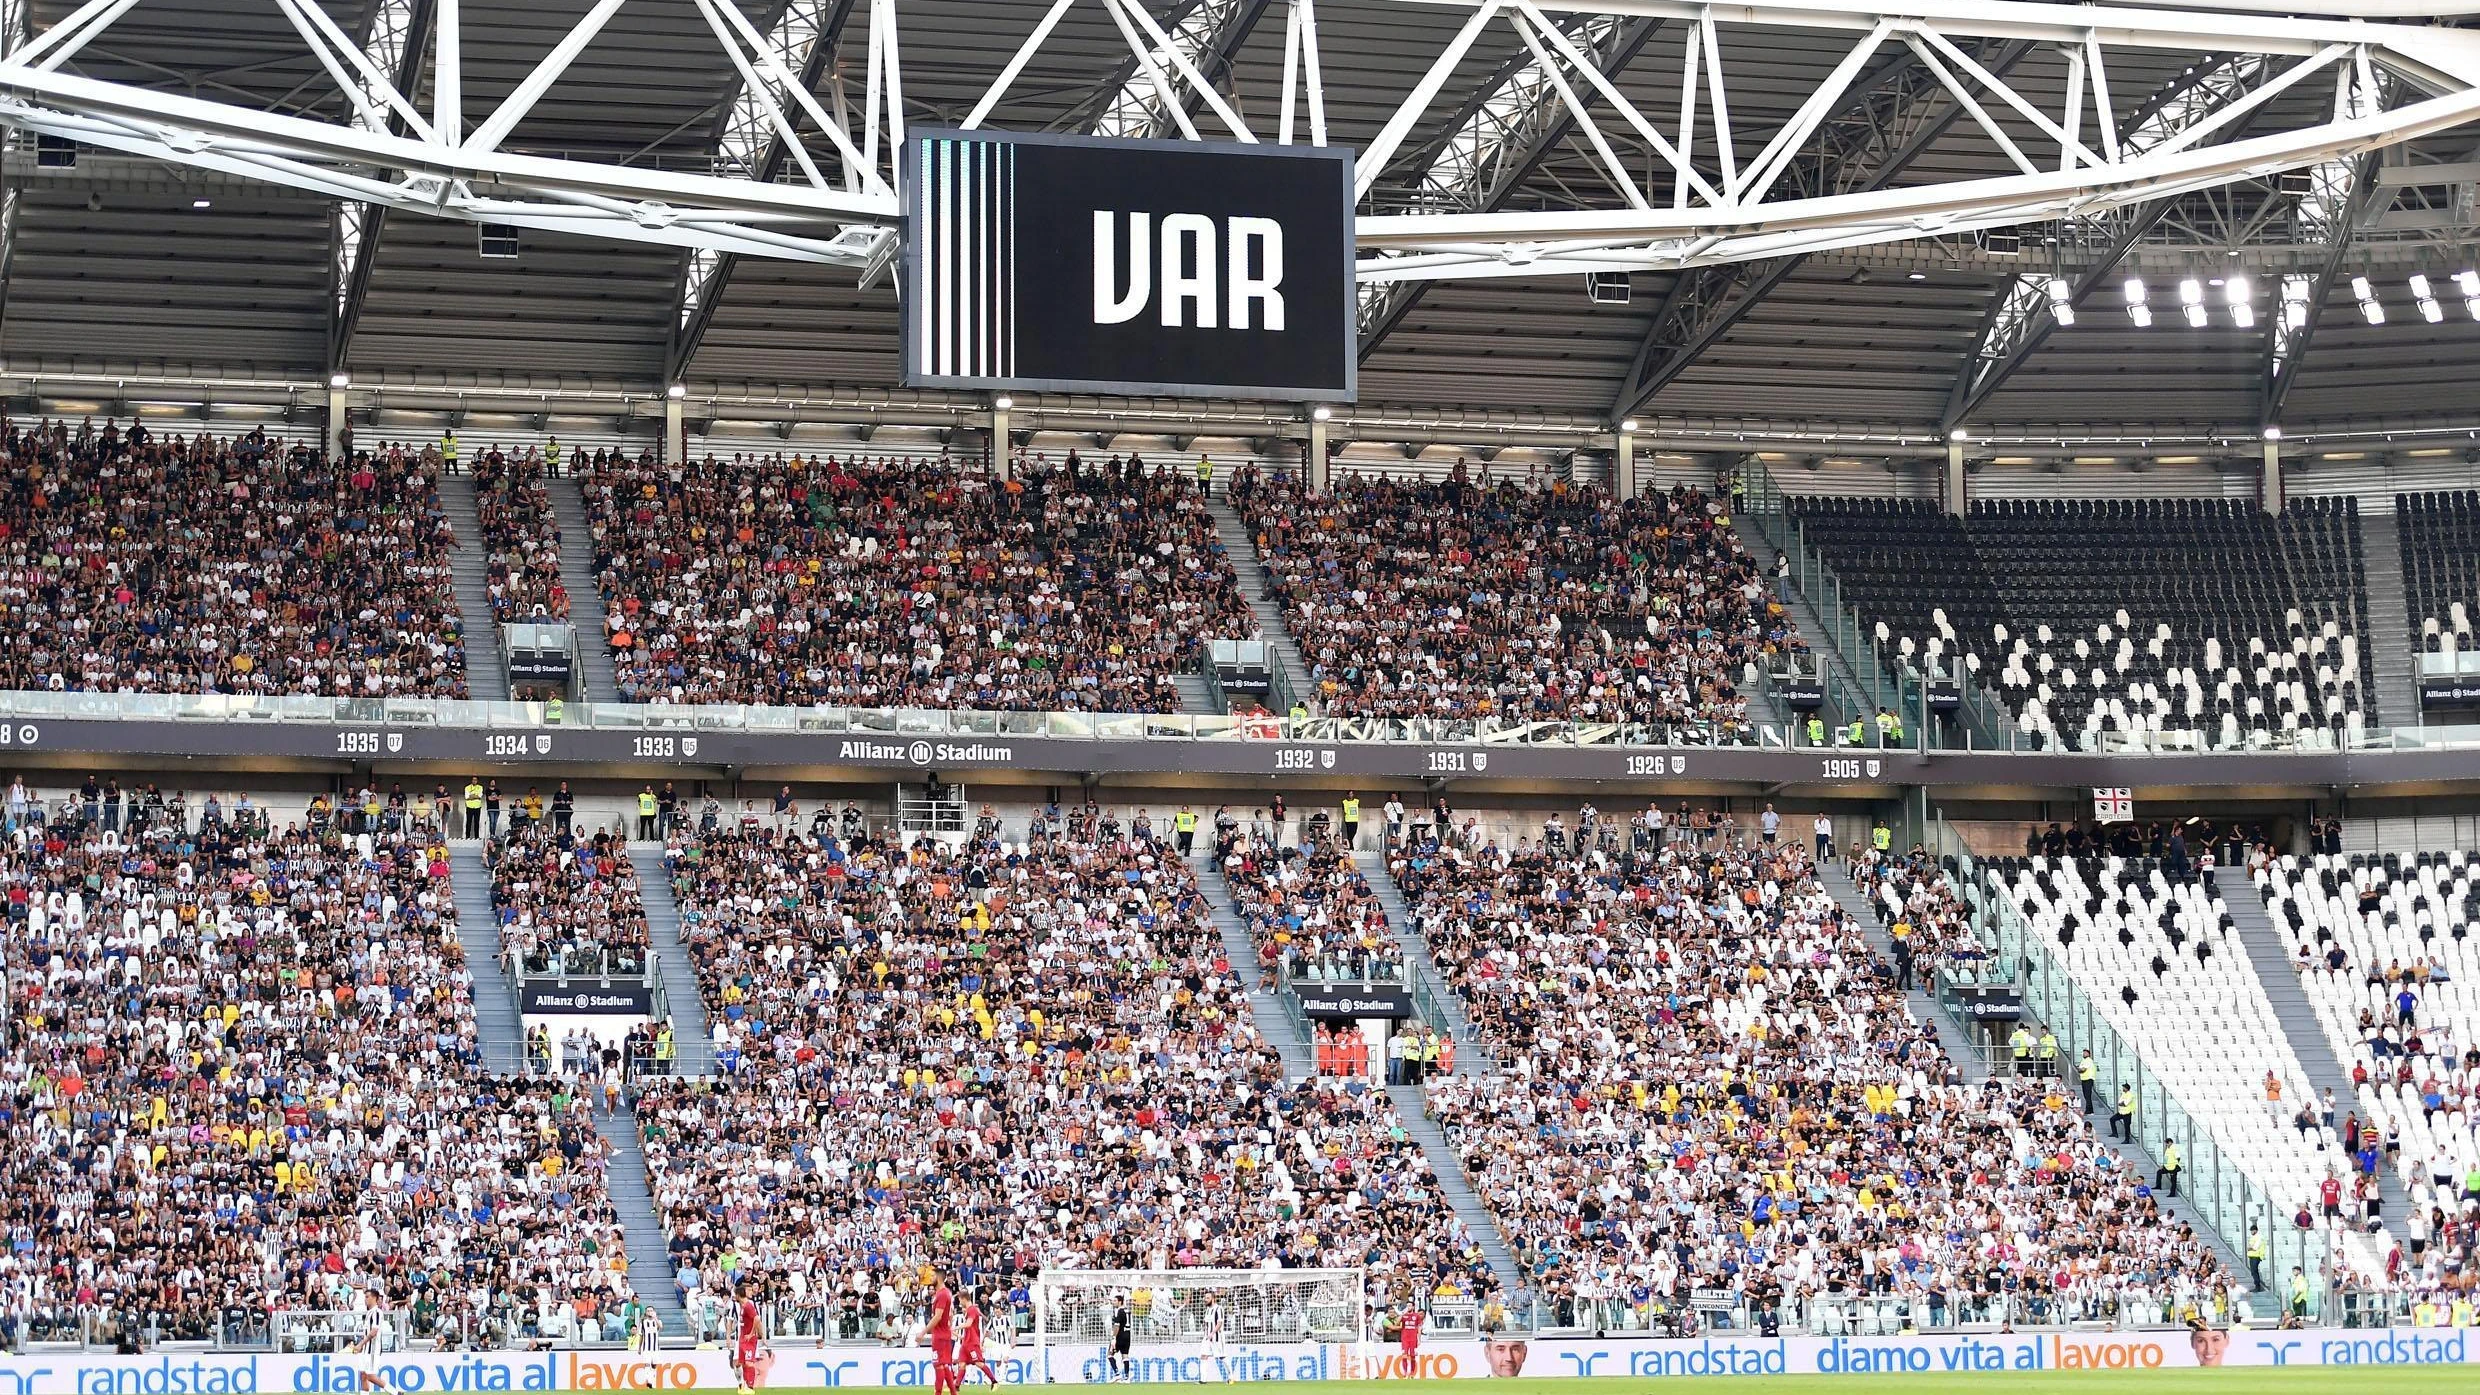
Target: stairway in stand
[1196, 699]
[585, 600]
[629, 1183]
[1413, 1106]
[2297, 1017]
[1472, 1056]
[486, 671]
[1291, 672]
[1275, 1019]
[496, 1020]
[2385, 631]
[693, 1043]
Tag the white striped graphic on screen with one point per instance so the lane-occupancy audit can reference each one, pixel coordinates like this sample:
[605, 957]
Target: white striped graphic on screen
[964, 316]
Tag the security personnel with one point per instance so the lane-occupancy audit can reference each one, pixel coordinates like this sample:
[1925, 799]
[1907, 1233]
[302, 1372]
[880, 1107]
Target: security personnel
[2021, 1045]
[1858, 735]
[447, 449]
[2299, 1294]
[2084, 1073]
[473, 808]
[646, 809]
[556, 710]
[2256, 1259]
[1300, 712]
[1816, 730]
[2123, 1119]
[664, 1050]
[1898, 728]
[1205, 476]
[2169, 1169]
[551, 456]
[1881, 838]
[2049, 1053]
[1184, 823]
[1351, 818]
[1886, 728]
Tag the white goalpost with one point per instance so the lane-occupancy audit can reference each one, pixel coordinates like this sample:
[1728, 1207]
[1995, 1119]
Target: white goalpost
[1076, 1308]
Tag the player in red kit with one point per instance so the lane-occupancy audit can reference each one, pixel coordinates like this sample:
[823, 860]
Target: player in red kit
[969, 1347]
[1412, 1320]
[946, 1379]
[745, 1351]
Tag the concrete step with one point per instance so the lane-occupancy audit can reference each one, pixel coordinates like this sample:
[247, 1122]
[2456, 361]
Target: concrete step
[1472, 1055]
[2269, 955]
[585, 599]
[1277, 1020]
[1195, 697]
[496, 1019]
[486, 672]
[693, 1042]
[632, 1195]
[2386, 653]
[1412, 1103]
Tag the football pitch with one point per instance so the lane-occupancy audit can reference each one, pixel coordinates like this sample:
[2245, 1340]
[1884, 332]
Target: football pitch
[2360, 1380]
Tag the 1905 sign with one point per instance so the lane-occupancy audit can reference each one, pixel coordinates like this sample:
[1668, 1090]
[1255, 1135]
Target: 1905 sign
[1141, 267]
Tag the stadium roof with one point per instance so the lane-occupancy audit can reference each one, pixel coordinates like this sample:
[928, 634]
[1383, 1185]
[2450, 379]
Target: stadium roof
[123, 267]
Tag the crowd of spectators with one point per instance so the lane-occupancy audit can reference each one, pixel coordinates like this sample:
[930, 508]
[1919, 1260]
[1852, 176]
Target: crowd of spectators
[242, 1074]
[894, 582]
[131, 562]
[996, 1057]
[1312, 915]
[1512, 602]
[569, 903]
[1711, 1082]
[520, 536]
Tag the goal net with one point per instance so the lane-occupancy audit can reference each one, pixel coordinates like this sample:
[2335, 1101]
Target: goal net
[1075, 1307]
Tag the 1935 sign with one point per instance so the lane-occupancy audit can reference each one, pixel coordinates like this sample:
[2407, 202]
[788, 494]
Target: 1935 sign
[1185, 268]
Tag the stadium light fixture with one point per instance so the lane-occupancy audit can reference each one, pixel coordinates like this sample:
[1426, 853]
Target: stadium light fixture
[2237, 293]
[1959, 434]
[1326, 413]
[2273, 433]
[1003, 402]
[2137, 310]
[2370, 308]
[2294, 302]
[2061, 308]
[340, 380]
[2430, 310]
[2191, 299]
[676, 392]
[2468, 282]
[202, 203]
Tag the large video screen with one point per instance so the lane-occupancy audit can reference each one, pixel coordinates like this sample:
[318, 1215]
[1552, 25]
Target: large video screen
[1180, 268]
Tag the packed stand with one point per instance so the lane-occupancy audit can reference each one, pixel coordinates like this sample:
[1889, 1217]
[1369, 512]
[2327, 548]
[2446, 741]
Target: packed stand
[1511, 603]
[137, 563]
[243, 1075]
[2387, 954]
[908, 583]
[1713, 1084]
[520, 537]
[1312, 915]
[570, 903]
[1928, 919]
[2250, 631]
[997, 1058]
[2153, 948]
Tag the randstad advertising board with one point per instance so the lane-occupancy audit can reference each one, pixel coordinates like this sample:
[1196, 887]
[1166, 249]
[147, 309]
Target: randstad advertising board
[792, 1368]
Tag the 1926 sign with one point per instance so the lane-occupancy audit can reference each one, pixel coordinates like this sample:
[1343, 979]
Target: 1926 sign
[1140, 267]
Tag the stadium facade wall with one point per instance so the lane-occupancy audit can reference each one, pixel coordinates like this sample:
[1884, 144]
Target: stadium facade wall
[186, 1373]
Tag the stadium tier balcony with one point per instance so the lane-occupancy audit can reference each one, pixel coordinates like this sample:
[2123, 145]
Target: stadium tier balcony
[2160, 622]
[2440, 538]
[1513, 603]
[1713, 1085]
[140, 563]
[1075, 587]
[242, 1074]
[1035, 1048]
[2388, 954]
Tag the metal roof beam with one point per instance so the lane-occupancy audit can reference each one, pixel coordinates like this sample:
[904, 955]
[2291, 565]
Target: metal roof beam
[393, 46]
[2017, 323]
[1209, 34]
[748, 138]
[2342, 196]
[1498, 139]
[1900, 111]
